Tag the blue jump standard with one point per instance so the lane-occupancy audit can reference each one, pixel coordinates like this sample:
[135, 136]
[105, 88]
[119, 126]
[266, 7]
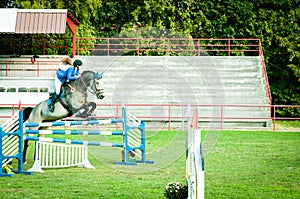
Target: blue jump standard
[18, 155]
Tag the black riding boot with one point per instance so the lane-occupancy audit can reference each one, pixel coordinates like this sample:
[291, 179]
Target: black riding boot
[53, 97]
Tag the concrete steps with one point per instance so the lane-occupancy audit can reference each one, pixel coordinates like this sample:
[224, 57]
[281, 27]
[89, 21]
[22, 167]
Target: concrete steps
[182, 80]
[155, 80]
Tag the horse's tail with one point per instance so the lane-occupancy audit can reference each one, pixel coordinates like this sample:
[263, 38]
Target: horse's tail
[26, 113]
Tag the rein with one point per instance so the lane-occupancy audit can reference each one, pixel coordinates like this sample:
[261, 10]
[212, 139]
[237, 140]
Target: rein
[73, 88]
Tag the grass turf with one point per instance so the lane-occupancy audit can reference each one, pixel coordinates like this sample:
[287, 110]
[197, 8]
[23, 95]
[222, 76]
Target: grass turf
[243, 164]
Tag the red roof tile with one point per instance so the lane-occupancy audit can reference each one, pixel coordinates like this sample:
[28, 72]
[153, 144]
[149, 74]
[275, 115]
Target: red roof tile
[41, 21]
[36, 21]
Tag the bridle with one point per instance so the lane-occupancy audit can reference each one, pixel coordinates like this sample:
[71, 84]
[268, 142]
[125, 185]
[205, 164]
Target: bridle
[95, 91]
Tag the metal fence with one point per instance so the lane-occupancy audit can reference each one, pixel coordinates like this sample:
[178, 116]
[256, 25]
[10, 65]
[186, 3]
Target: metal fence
[24, 67]
[168, 46]
[169, 118]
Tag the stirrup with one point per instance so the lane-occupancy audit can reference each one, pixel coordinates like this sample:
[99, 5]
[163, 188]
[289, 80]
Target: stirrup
[51, 107]
[52, 95]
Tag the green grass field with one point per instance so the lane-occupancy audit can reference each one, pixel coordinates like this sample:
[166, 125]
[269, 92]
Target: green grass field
[243, 164]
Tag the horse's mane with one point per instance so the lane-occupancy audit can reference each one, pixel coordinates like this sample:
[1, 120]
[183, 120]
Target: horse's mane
[72, 82]
[87, 71]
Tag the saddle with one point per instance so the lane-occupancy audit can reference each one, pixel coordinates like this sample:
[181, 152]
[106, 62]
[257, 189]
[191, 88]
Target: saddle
[83, 112]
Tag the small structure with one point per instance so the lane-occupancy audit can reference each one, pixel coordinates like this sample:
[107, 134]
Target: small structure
[38, 21]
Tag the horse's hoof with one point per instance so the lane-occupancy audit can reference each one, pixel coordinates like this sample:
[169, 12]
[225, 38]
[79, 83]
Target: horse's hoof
[131, 154]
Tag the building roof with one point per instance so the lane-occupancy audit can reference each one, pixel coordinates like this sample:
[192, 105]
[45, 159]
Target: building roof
[34, 21]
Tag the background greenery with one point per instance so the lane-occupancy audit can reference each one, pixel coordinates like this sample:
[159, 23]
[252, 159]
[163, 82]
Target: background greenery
[275, 22]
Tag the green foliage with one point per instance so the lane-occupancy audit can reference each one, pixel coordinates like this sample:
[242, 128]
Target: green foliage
[278, 32]
[275, 22]
[176, 190]
[7, 4]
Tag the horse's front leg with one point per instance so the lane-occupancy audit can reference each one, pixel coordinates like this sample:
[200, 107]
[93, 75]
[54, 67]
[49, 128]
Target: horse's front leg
[90, 108]
[86, 110]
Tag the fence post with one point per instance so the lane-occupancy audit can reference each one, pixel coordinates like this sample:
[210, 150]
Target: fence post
[6, 71]
[228, 47]
[274, 118]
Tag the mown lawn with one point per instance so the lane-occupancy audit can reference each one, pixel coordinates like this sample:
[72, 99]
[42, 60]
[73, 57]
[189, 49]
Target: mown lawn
[243, 164]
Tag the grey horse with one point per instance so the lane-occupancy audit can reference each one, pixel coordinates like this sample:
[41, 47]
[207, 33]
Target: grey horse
[74, 100]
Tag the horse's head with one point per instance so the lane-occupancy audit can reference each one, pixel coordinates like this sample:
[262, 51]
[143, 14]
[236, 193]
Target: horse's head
[97, 86]
[88, 81]
[93, 81]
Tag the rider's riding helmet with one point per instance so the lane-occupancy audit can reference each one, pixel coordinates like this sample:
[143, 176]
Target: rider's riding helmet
[77, 62]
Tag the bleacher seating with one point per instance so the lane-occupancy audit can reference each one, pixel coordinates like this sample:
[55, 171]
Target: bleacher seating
[235, 82]
[231, 87]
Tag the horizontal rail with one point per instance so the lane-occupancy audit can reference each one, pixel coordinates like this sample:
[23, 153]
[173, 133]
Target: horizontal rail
[68, 141]
[69, 132]
[183, 46]
[117, 46]
[170, 117]
[73, 123]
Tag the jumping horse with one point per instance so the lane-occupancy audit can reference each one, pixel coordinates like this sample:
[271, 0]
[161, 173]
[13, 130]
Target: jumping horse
[74, 99]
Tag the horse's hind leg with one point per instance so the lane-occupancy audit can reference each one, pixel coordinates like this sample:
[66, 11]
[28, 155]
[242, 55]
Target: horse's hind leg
[26, 144]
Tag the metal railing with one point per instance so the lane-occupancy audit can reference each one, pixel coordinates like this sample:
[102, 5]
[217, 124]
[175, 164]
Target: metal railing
[170, 117]
[265, 74]
[168, 46]
[24, 67]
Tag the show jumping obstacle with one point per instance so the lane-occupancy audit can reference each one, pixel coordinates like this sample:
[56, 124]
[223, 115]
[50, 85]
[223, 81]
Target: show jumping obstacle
[51, 155]
[195, 160]
[133, 142]
[9, 142]
[11, 145]
[55, 155]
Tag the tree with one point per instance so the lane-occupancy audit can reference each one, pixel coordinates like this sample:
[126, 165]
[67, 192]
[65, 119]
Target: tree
[7, 4]
[275, 22]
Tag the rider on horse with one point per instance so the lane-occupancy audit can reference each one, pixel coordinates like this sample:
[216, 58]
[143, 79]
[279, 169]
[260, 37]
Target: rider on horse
[63, 76]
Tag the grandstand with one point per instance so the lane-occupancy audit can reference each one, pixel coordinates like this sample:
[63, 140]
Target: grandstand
[228, 89]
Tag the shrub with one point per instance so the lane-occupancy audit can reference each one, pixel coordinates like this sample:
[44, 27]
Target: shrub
[176, 190]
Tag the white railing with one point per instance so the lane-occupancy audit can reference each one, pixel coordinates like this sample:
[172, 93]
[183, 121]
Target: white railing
[195, 160]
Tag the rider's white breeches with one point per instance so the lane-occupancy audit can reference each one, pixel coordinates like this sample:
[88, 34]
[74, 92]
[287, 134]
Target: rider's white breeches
[57, 85]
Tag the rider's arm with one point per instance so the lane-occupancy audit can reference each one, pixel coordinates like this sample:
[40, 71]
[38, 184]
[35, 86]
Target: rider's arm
[71, 74]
